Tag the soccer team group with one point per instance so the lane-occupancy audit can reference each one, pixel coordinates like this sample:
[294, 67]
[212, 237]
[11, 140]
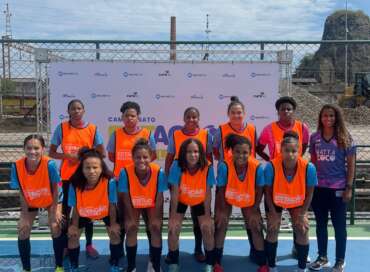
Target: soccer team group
[84, 189]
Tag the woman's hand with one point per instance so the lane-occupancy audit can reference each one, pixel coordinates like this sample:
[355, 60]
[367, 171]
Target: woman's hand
[347, 194]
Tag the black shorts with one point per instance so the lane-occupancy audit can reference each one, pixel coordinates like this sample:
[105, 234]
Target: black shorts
[83, 221]
[198, 209]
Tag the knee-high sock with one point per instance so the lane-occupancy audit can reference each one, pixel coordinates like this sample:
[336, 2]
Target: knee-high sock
[24, 248]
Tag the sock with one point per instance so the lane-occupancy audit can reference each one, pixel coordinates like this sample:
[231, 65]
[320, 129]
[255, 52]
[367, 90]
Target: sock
[198, 239]
[270, 249]
[174, 256]
[115, 253]
[131, 257]
[252, 250]
[74, 254]
[121, 243]
[58, 246]
[260, 256]
[89, 231]
[302, 252]
[210, 257]
[218, 254]
[24, 248]
[156, 253]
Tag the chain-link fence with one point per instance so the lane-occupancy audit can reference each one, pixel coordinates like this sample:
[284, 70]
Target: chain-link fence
[318, 72]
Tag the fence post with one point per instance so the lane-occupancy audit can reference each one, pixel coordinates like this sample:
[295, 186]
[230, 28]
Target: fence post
[353, 199]
[97, 47]
[262, 55]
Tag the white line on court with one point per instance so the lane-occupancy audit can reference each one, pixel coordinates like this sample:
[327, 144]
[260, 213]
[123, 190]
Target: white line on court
[365, 238]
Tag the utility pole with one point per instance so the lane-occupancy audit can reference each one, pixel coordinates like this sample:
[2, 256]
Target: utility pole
[208, 32]
[346, 50]
[173, 39]
[6, 43]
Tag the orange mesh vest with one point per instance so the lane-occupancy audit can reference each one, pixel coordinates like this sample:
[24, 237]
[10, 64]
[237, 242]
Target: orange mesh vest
[248, 132]
[278, 133]
[142, 196]
[241, 193]
[289, 194]
[94, 203]
[179, 137]
[72, 140]
[124, 144]
[193, 188]
[36, 187]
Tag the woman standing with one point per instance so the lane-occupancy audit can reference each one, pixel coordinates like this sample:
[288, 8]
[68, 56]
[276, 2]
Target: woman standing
[289, 184]
[72, 135]
[332, 151]
[37, 178]
[141, 186]
[190, 130]
[240, 184]
[93, 196]
[191, 178]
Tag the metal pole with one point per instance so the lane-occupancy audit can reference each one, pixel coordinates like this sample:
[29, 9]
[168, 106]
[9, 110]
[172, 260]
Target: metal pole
[173, 38]
[353, 200]
[346, 49]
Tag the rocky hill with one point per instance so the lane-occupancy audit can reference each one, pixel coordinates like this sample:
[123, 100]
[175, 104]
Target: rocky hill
[331, 57]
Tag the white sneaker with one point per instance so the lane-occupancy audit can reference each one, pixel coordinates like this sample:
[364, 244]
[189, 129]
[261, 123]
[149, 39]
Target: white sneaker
[150, 267]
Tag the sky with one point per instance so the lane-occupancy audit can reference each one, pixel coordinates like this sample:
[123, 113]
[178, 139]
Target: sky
[150, 20]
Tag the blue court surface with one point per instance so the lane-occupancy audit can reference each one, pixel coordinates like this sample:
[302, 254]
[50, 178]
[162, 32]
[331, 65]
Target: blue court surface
[235, 252]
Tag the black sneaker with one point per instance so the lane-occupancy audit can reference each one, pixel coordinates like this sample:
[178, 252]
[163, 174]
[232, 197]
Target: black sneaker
[339, 266]
[320, 263]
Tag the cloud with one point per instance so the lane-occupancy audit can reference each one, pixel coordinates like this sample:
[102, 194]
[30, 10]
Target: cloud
[150, 20]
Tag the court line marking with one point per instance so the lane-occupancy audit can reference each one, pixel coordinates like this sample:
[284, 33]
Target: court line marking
[142, 237]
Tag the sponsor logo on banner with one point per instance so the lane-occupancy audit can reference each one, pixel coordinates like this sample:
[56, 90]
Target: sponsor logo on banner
[127, 74]
[260, 95]
[165, 73]
[142, 119]
[227, 75]
[221, 96]
[258, 117]
[62, 116]
[161, 96]
[66, 95]
[98, 95]
[193, 75]
[100, 74]
[61, 73]
[253, 74]
[132, 95]
[197, 96]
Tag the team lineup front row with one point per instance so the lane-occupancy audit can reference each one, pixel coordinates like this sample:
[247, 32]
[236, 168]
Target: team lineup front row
[85, 190]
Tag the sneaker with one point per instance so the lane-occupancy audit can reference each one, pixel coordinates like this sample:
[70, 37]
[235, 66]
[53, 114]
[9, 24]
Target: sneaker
[173, 268]
[320, 263]
[167, 259]
[150, 267]
[339, 266]
[114, 268]
[199, 256]
[208, 268]
[59, 269]
[264, 268]
[295, 255]
[91, 252]
[218, 268]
